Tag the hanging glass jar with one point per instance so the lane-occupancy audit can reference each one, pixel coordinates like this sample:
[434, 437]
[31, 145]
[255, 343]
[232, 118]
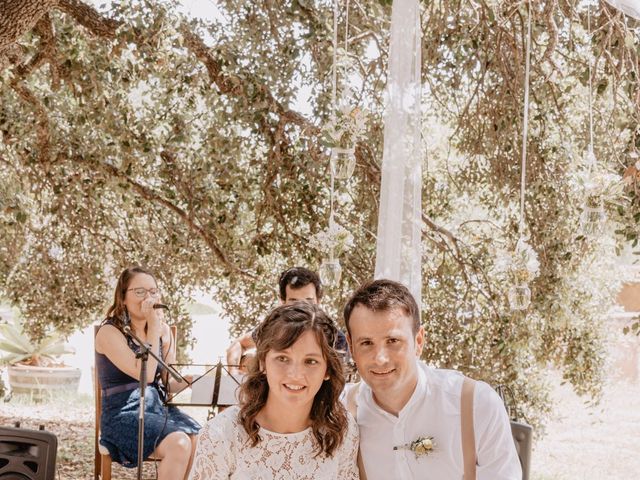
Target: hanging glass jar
[343, 161]
[592, 218]
[347, 128]
[519, 297]
[330, 271]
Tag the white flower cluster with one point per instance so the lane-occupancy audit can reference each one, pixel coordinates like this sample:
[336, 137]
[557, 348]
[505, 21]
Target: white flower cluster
[334, 240]
[603, 184]
[422, 446]
[598, 182]
[347, 125]
[522, 263]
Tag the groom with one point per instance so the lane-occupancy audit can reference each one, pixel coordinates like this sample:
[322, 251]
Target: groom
[409, 414]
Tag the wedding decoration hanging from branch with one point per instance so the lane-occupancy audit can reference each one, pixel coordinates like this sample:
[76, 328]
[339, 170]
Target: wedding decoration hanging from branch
[347, 124]
[593, 217]
[519, 266]
[345, 128]
[331, 243]
[598, 183]
[524, 261]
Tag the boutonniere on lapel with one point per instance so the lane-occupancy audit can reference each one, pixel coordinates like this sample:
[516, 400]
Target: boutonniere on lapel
[421, 446]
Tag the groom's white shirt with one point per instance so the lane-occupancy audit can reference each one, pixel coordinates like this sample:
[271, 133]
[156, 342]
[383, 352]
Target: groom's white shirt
[434, 411]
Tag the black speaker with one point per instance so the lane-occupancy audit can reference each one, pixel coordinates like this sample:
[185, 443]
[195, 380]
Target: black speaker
[27, 454]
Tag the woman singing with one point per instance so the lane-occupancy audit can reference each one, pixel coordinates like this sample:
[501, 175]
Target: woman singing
[168, 433]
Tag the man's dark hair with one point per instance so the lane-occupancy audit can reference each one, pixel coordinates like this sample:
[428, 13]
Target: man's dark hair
[383, 295]
[298, 277]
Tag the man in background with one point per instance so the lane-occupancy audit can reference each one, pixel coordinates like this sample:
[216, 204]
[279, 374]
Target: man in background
[295, 284]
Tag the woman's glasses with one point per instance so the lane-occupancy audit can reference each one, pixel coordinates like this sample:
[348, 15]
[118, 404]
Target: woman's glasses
[141, 292]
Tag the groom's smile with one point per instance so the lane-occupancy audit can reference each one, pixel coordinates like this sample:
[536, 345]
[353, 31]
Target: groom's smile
[383, 372]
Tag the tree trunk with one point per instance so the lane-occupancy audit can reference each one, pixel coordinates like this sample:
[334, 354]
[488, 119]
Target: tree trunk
[17, 17]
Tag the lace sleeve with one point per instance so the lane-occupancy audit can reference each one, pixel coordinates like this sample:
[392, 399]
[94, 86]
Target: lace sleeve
[348, 457]
[213, 459]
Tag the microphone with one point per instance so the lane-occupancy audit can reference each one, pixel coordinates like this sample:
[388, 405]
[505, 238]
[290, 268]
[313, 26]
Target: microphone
[160, 305]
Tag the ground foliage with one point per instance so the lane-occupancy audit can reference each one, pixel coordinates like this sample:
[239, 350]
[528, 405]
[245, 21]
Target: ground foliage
[133, 135]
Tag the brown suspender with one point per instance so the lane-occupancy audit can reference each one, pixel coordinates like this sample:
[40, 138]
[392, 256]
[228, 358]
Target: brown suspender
[469, 457]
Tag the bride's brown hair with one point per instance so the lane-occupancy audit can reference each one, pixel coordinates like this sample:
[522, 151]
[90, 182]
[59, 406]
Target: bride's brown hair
[282, 327]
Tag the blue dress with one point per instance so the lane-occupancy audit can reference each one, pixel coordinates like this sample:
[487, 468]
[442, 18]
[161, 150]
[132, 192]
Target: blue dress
[119, 419]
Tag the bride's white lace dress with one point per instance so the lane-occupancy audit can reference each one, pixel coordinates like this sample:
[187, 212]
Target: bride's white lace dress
[223, 453]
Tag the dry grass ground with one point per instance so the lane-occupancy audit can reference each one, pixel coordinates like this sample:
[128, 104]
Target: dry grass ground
[591, 443]
[600, 442]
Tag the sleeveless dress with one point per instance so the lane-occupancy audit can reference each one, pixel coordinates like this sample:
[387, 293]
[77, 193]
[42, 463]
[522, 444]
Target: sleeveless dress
[119, 419]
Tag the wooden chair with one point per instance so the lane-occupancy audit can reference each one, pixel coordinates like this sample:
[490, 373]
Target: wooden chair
[102, 460]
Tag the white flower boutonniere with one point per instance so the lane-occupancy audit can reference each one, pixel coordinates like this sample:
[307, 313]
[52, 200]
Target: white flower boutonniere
[421, 446]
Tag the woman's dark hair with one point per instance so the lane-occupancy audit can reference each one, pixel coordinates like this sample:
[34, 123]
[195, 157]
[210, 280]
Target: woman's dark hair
[282, 327]
[117, 312]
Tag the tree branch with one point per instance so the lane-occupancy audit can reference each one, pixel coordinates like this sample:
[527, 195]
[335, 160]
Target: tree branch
[18, 17]
[42, 119]
[233, 85]
[90, 18]
[44, 28]
[149, 194]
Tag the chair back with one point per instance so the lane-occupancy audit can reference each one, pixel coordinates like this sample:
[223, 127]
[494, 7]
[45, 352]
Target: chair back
[97, 395]
[521, 432]
[523, 437]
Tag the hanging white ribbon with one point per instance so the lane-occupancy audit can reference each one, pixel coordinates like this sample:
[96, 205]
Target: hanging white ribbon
[525, 124]
[399, 253]
[629, 7]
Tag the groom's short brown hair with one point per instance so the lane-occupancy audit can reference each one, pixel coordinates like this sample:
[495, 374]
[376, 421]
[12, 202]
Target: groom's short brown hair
[383, 295]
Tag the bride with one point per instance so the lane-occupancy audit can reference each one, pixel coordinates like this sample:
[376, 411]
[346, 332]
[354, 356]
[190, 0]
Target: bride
[290, 423]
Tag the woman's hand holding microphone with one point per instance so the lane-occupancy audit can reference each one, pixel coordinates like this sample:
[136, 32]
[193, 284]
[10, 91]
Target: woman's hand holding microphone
[153, 316]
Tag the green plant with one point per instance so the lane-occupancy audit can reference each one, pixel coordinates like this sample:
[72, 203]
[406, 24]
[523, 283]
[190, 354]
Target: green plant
[19, 348]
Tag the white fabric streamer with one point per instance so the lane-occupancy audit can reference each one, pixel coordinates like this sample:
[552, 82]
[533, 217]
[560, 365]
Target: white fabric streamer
[399, 253]
[629, 7]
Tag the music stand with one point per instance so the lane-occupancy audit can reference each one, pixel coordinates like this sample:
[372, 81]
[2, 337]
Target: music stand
[206, 391]
[143, 354]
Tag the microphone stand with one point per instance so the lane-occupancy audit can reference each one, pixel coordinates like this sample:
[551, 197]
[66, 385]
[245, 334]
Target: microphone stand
[143, 355]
